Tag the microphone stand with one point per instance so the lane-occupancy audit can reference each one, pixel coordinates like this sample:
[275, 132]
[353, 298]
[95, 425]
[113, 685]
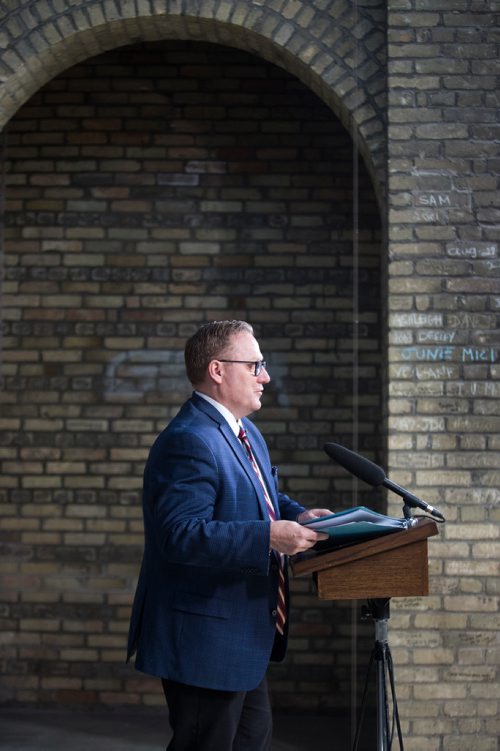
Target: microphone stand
[379, 610]
[407, 510]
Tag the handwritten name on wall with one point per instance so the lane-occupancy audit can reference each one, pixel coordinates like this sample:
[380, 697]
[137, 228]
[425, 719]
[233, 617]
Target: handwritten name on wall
[449, 353]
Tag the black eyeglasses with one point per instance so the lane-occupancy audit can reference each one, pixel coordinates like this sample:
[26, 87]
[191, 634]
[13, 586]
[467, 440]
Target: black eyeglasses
[258, 365]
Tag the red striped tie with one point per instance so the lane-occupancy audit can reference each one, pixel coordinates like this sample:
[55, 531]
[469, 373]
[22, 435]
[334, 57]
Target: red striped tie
[281, 607]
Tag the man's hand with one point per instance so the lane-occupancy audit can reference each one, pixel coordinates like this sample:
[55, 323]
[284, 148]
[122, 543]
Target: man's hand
[313, 513]
[290, 537]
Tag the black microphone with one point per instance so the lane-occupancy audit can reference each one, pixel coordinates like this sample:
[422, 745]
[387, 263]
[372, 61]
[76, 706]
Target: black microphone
[374, 475]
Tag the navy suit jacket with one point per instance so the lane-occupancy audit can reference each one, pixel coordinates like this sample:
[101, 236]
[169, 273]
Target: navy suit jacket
[204, 609]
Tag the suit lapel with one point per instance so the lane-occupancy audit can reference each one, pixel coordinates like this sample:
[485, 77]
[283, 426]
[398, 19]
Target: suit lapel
[235, 445]
[240, 453]
[263, 462]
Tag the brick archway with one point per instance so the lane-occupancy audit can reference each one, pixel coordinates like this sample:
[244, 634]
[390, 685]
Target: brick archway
[334, 53]
[167, 182]
[338, 51]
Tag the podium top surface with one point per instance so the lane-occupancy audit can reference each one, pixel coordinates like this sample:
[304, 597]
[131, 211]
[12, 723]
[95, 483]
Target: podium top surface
[314, 561]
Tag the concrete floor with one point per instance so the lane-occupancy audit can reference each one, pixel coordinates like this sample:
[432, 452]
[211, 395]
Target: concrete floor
[127, 730]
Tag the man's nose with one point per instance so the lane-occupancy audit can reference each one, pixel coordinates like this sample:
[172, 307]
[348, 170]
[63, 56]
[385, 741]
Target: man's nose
[264, 376]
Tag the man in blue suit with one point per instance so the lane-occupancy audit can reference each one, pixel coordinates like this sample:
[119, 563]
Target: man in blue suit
[211, 607]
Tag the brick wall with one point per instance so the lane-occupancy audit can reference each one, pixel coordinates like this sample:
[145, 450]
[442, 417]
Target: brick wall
[149, 190]
[336, 48]
[444, 294]
[442, 305]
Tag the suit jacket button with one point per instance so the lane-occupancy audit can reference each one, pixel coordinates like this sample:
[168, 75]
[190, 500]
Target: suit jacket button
[274, 613]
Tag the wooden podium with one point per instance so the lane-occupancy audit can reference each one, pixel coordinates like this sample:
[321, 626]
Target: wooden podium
[393, 565]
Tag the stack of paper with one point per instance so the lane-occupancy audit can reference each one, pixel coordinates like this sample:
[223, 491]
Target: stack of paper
[357, 523]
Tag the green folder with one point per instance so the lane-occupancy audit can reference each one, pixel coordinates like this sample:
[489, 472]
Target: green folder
[357, 523]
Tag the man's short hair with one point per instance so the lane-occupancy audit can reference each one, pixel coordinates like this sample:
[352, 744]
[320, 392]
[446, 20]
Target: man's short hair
[211, 341]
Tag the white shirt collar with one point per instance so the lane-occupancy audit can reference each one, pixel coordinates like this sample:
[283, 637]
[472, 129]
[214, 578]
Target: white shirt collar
[234, 424]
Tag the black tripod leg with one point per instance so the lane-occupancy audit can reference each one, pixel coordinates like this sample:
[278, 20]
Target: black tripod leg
[383, 733]
[378, 609]
[363, 703]
[394, 700]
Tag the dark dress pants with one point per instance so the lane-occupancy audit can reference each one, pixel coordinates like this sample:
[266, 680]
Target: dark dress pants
[203, 719]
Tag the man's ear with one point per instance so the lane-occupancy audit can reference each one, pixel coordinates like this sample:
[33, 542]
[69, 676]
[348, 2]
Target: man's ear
[216, 371]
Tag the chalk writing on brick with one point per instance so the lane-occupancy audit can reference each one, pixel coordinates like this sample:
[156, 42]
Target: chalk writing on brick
[433, 372]
[454, 199]
[474, 388]
[440, 335]
[463, 249]
[428, 320]
[436, 354]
